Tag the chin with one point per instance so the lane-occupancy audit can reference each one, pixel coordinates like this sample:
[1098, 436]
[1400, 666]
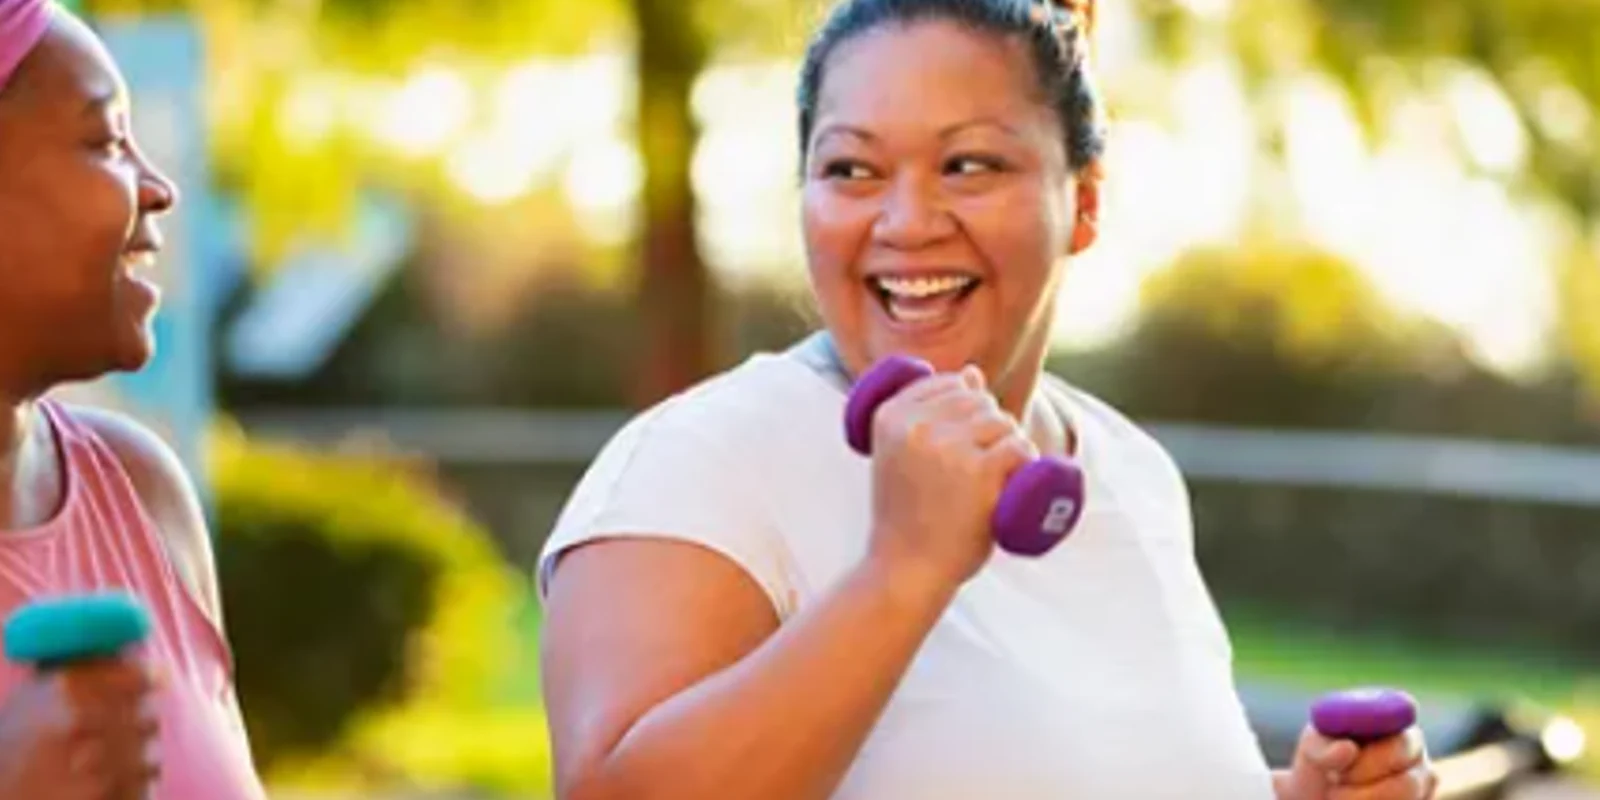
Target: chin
[948, 350]
[133, 353]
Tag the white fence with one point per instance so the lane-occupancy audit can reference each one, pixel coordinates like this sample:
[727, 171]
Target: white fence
[1360, 460]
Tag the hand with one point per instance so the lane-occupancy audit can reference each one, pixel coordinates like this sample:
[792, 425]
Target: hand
[1396, 768]
[942, 451]
[85, 732]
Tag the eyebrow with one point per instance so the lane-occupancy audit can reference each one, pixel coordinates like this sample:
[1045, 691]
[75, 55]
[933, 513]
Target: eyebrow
[948, 131]
[979, 122]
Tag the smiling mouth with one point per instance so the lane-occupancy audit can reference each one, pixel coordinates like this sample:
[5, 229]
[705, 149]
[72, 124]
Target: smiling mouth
[922, 300]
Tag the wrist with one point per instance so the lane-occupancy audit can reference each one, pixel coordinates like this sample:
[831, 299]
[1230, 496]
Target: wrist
[908, 585]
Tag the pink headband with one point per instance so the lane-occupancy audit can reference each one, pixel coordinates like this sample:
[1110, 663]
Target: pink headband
[22, 25]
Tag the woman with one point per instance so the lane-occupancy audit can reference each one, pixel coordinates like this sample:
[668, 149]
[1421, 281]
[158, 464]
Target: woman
[90, 501]
[740, 607]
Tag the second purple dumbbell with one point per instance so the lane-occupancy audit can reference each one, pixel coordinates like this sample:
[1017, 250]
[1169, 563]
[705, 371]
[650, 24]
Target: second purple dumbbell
[1364, 715]
[1041, 502]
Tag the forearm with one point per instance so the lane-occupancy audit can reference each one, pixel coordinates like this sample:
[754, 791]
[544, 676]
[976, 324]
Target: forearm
[786, 721]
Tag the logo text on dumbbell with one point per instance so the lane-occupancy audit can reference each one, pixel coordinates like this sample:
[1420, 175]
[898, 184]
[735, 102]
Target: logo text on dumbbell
[1059, 516]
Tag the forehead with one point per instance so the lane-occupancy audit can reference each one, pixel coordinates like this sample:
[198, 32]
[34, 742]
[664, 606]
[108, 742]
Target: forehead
[931, 72]
[63, 75]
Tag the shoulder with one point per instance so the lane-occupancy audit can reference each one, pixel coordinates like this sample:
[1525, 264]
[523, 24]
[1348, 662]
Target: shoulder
[166, 493]
[694, 468]
[729, 413]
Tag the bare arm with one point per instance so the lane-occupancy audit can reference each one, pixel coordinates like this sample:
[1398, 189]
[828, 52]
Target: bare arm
[691, 690]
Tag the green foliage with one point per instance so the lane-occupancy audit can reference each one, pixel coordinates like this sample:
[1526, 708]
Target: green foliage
[1493, 574]
[366, 612]
[1532, 50]
[1272, 337]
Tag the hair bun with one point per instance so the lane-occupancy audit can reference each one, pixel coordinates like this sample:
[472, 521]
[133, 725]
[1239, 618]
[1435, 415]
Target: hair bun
[1069, 18]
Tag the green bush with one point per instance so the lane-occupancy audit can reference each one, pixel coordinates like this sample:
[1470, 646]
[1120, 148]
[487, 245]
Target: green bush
[1282, 336]
[1462, 569]
[368, 614]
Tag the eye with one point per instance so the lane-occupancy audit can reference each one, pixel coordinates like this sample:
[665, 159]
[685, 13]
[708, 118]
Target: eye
[973, 165]
[846, 169]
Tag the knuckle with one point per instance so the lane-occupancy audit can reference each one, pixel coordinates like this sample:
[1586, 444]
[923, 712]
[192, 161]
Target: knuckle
[919, 434]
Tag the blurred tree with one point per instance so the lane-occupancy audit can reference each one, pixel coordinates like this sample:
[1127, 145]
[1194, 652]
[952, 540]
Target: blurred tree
[1541, 54]
[277, 63]
[674, 286]
[266, 57]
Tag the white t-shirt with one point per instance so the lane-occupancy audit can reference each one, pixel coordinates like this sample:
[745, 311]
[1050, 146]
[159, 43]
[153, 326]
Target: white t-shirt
[1098, 671]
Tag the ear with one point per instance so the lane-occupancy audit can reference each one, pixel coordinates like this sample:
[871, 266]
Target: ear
[1086, 226]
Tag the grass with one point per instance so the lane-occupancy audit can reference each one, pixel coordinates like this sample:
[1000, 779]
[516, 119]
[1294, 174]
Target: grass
[1273, 649]
[1270, 647]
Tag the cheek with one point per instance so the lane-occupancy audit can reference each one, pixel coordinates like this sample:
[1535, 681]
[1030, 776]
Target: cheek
[1022, 248]
[835, 228]
[105, 212]
[82, 222]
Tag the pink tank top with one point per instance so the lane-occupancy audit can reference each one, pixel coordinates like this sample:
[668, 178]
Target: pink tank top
[102, 539]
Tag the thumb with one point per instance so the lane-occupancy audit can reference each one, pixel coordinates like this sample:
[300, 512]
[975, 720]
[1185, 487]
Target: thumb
[1320, 763]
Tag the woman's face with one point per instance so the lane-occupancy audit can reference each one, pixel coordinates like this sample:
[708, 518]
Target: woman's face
[78, 203]
[938, 203]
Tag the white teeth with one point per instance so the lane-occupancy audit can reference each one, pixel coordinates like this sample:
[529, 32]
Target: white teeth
[923, 287]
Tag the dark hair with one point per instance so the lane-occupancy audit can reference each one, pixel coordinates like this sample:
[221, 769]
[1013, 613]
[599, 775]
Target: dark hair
[1057, 46]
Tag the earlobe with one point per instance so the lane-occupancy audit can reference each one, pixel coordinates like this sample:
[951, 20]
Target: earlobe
[1084, 232]
[1086, 227]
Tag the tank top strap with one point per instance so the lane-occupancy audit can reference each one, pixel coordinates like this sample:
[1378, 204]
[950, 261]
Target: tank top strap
[113, 527]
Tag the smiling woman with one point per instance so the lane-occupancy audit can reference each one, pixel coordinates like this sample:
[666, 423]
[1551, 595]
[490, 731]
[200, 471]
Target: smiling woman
[742, 607]
[89, 501]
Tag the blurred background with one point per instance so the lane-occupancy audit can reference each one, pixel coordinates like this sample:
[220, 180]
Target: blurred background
[434, 252]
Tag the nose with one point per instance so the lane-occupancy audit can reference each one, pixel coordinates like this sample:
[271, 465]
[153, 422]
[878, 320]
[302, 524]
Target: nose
[913, 215]
[157, 193]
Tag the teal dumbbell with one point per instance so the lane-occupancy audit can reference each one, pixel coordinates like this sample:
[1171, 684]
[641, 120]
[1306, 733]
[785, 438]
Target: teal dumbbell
[61, 631]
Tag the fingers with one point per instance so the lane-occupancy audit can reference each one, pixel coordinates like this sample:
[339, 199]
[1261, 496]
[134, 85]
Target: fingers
[1328, 757]
[954, 413]
[105, 681]
[1396, 768]
[112, 723]
[1417, 783]
[1385, 758]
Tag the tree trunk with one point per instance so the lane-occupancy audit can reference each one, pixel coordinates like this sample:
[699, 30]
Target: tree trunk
[674, 290]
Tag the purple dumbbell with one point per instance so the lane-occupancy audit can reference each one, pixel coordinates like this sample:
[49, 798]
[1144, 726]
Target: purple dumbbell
[1041, 502]
[1364, 715]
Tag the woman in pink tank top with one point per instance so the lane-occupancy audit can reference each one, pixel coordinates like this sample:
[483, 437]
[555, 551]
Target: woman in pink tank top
[90, 501]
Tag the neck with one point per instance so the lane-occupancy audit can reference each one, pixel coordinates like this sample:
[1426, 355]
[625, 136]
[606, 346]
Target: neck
[29, 482]
[1018, 394]
[16, 409]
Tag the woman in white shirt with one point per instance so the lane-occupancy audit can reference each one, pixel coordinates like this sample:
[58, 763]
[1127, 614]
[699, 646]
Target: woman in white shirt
[739, 606]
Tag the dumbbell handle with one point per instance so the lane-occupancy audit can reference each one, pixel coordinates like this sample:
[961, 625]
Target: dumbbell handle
[1364, 715]
[1041, 502]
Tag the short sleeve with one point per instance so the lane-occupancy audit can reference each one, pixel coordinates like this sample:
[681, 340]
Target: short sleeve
[661, 477]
